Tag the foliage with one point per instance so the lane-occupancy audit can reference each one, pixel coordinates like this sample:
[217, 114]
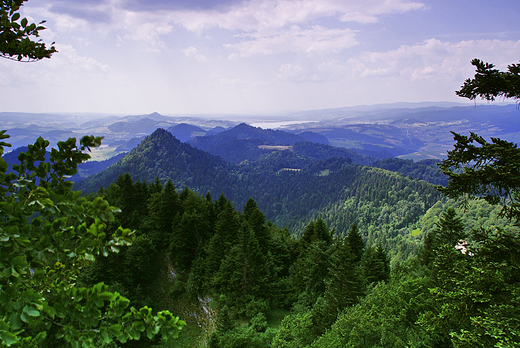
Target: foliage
[484, 170]
[385, 317]
[477, 292]
[490, 83]
[426, 170]
[18, 36]
[49, 234]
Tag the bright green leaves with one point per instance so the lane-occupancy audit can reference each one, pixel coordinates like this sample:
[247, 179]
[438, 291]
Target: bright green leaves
[18, 38]
[48, 233]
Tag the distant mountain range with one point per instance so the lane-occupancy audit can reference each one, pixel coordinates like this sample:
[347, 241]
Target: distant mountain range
[413, 131]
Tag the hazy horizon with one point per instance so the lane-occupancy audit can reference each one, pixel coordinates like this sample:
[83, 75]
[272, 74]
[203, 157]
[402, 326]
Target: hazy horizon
[255, 56]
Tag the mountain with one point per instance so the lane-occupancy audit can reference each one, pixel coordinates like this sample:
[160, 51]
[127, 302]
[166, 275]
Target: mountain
[270, 136]
[314, 137]
[185, 132]
[289, 188]
[161, 155]
[248, 143]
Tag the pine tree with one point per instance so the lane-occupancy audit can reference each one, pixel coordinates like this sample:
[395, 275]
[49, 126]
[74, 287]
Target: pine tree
[450, 228]
[343, 287]
[164, 207]
[376, 265]
[256, 220]
[355, 242]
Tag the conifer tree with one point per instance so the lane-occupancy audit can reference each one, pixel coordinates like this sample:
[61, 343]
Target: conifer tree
[164, 207]
[225, 237]
[343, 287]
[355, 242]
[256, 220]
[376, 264]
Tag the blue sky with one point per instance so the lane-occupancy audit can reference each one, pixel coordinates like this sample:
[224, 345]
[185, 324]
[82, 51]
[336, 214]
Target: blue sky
[255, 57]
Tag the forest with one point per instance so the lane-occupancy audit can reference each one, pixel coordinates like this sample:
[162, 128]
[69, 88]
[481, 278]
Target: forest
[293, 248]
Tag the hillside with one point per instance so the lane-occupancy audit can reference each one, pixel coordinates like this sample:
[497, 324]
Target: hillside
[288, 188]
[244, 142]
[162, 156]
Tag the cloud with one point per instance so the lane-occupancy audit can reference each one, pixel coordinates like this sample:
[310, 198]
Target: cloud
[199, 5]
[193, 52]
[369, 11]
[435, 59]
[233, 15]
[295, 39]
[258, 15]
[93, 12]
[70, 59]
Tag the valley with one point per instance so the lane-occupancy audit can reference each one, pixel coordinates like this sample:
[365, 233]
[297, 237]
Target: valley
[283, 237]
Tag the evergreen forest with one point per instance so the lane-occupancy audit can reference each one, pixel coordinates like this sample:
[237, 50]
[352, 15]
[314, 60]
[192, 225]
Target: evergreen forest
[252, 238]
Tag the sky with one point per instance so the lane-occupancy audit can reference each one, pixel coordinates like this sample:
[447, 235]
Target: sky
[255, 57]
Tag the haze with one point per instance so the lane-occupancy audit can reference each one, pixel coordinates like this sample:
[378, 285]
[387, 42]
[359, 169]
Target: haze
[259, 56]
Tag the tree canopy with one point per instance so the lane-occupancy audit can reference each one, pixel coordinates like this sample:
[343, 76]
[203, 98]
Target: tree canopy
[18, 37]
[480, 169]
[490, 83]
[48, 234]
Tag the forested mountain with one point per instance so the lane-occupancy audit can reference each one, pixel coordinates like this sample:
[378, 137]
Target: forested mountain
[288, 187]
[245, 142]
[427, 170]
[162, 156]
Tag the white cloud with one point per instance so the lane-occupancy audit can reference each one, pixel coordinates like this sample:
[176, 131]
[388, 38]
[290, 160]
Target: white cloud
[194, 53]
[265, 26]
[435, 59]
[69, 58]
[369, 11]
[295, 39]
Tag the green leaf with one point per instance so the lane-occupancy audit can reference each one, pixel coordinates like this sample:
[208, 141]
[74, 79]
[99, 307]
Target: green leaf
[31, 311]
[106, 336]
[8, 338]
[108, 296]
[16, 322]
[115, 329]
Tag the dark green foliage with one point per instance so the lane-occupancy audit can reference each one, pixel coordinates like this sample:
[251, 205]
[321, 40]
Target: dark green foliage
[384, 318]
[381, 203]
[50, 235]
[191, 229]
[355, 243]
[316, 231]
[490, 83]
[484, 170]
[376, 265]
[450, 228]
[311, 268]
[18, 37]
[344, 286]
[477, 292]
[426, 170]
[295, 331]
